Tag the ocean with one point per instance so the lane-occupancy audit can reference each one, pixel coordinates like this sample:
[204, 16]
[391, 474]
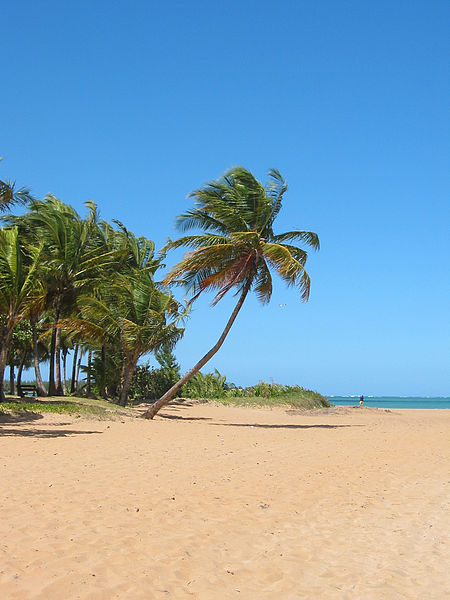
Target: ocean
[391, 401]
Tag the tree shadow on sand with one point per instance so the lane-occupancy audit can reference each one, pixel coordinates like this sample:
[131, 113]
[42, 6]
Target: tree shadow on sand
[20, 416]
[259, 425]
[283, 425]
[43, 433]
[180, 418]
[181, 402]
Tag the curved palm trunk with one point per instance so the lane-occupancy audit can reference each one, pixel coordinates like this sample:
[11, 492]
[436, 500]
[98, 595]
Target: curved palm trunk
[156, 407]
[37, 373]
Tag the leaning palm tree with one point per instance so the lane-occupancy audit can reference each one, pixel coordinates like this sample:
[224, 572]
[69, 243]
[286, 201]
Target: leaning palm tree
[237, 250]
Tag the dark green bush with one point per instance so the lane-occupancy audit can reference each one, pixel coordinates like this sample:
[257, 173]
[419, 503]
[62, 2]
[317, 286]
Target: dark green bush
[151, 384]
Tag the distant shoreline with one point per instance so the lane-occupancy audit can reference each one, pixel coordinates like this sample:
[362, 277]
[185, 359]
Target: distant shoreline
[394, 402]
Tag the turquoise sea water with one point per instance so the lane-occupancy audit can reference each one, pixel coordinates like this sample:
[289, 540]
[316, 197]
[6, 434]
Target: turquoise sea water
[391, 401]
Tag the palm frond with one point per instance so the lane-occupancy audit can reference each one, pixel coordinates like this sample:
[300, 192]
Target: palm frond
[237, 273]
[262, 284]
[289, 268]
[308, 237]
[209, 257]
[276, 187]
[297, 253]
[9, 195]
[196, 241]
[199, 219]
[84, 328]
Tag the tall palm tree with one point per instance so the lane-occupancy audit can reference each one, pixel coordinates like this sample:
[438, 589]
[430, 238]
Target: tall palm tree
[19, 283]
[238, 249]
[135, 256]
[74, 258]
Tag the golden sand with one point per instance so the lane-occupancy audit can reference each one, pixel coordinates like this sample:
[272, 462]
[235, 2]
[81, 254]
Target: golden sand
[210, 502]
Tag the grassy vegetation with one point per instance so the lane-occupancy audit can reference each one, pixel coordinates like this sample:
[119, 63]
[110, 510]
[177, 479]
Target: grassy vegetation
[82, 407]
[291, 401]
[212, 387]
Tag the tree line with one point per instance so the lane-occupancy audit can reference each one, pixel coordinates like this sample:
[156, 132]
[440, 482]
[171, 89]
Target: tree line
[71, 282]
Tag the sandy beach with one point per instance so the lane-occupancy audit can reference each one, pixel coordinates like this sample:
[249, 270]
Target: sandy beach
[211, 502]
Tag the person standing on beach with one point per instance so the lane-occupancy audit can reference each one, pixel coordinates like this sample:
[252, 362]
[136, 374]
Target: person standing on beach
[361, 400]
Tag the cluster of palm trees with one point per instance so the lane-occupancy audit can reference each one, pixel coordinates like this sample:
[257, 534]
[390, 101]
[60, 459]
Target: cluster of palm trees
[83, 283]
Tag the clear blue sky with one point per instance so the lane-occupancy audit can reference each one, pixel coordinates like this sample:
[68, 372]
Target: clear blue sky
[135, 104]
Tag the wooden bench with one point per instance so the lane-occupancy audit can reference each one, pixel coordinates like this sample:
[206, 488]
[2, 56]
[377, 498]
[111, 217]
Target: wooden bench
[27, 390]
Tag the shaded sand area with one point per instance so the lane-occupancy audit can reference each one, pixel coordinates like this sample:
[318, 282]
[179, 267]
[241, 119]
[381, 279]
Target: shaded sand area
[211, 502]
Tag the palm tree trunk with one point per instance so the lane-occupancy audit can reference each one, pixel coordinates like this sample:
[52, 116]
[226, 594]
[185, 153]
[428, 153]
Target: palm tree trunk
[104, 391]
[64, 386]
[11, 379]
[37, 373]
[20, 369]
[74, 369]
[128, 376]
[156, 407]
[88, 375]
[77, 372]
[58, 382]
[5, 342]
[51, 374]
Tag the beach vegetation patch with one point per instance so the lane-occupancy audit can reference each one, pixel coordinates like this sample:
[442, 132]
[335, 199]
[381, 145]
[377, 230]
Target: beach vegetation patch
[57, 406]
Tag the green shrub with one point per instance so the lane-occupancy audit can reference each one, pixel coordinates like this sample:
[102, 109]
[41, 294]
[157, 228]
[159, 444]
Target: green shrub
[270, 394]
[205, 385]
[151, 384]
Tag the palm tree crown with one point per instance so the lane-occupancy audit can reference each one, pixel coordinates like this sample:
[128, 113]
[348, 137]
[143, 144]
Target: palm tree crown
[239, 247]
